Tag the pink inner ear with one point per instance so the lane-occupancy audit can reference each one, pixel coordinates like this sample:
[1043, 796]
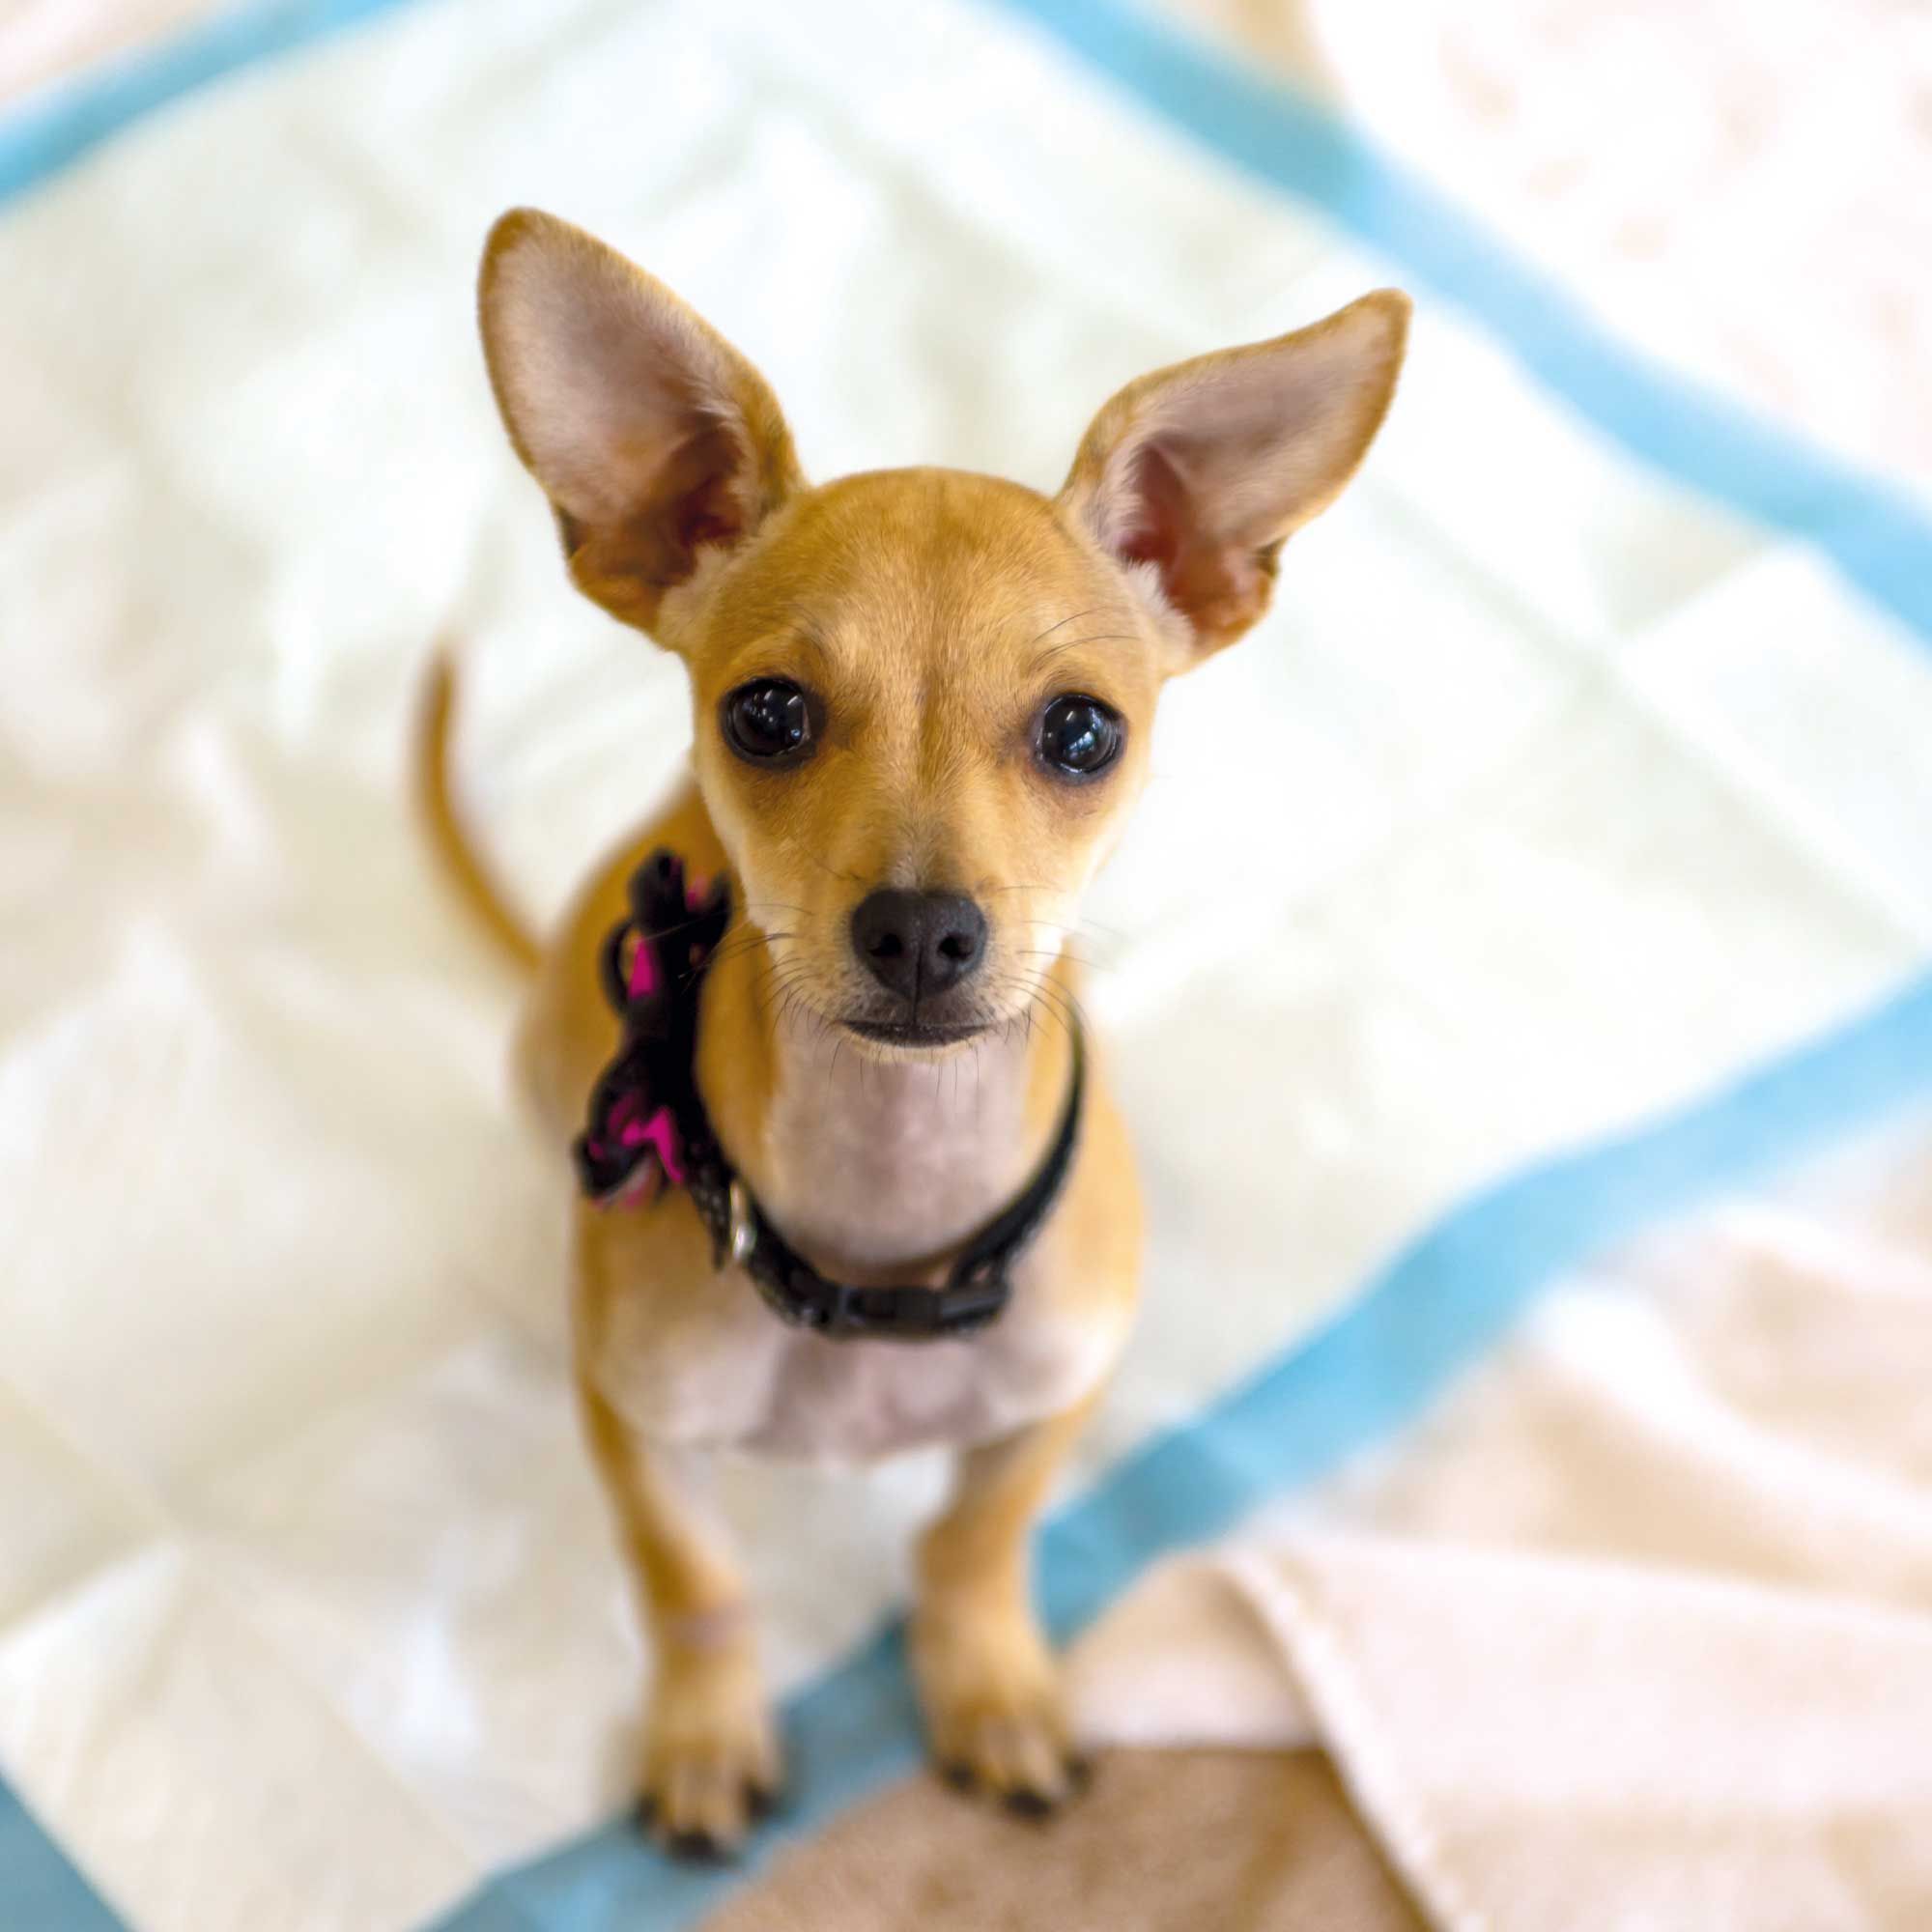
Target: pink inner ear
[696, 499]
[1211, 578]
[1152, 511]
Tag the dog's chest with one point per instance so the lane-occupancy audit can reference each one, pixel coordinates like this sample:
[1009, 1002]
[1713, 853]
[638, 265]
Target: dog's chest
[747, 1381]
[873, 1162]
[869, 1163]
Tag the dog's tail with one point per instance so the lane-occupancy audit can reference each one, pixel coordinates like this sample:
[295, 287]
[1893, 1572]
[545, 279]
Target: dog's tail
[449, 842]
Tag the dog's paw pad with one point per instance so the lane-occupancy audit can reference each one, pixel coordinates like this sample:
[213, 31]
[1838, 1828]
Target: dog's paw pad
[711, 1763]
[704, 1809]
[998, 1726]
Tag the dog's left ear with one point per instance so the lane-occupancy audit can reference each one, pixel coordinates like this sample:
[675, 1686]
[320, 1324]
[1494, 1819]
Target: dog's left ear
[1202, 469]
[652, 437]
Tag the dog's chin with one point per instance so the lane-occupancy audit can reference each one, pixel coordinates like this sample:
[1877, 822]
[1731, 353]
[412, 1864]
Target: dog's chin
[915, 1039]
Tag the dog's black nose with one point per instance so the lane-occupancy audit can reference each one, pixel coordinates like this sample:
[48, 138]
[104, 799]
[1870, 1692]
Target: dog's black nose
[918, 944]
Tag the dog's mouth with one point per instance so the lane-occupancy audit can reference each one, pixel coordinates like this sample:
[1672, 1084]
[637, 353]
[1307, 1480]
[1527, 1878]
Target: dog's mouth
[916, 1034]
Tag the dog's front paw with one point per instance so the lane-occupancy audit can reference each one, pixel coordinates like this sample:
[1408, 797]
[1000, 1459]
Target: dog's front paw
[711, 1754]
[994, 1713]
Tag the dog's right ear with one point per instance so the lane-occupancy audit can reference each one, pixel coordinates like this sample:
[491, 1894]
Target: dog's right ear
[1197, 475]
[652, 437]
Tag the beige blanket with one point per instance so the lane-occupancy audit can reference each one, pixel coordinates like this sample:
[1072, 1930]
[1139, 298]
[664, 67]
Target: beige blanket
[1166, 1842]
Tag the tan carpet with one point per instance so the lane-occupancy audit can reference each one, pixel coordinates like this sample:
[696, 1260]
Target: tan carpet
[1165, 1841]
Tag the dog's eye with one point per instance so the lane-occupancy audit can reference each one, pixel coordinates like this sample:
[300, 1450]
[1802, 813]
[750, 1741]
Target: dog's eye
[1079, 736]
[766, 719]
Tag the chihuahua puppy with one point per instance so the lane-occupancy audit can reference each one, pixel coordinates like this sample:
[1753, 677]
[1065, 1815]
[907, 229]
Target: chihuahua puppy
[922, 702]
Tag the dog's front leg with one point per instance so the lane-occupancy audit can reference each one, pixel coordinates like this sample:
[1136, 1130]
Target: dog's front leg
[989, 1684]
[711, 1755]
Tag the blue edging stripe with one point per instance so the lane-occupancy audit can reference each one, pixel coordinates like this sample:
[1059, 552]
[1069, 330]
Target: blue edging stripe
[1874, 532]
[1440, 1302]
[1425, 1315]
[1443, 1301]
[53, 129]
[39, 1889]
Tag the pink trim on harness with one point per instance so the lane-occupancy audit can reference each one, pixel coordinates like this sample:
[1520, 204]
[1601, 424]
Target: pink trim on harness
[643, 971]
[644, 960]
[657, 1130]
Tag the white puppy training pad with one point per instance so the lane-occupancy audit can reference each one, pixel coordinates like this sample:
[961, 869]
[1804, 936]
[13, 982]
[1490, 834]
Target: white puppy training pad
[1558, 795]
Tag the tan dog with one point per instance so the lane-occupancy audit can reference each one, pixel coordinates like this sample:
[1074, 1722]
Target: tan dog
[922, 702]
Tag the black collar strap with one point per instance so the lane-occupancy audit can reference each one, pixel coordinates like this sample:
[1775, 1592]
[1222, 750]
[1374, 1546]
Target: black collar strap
[648, 1129]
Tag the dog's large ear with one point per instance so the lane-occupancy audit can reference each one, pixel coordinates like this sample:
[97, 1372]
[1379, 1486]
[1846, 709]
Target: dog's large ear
[650, 434]
[1202, 469]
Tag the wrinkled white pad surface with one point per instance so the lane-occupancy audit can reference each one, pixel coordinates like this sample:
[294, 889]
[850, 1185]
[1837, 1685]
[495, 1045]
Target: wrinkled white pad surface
[1512, 822]
[1633, 1630]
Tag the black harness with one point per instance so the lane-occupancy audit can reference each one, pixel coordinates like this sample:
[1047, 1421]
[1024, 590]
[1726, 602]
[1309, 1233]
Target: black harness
[648, 1130]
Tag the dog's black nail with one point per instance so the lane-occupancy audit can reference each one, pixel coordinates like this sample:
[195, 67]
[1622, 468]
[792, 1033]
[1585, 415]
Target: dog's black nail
[643, 1814]
[1079, 1772]
[697, 1848]
[1031, 1805]
[958, 1773]
[761, 1801]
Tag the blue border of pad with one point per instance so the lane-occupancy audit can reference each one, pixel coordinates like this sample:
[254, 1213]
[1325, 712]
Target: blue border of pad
[53, 129]
[39, 1889]
[1444, 1299]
